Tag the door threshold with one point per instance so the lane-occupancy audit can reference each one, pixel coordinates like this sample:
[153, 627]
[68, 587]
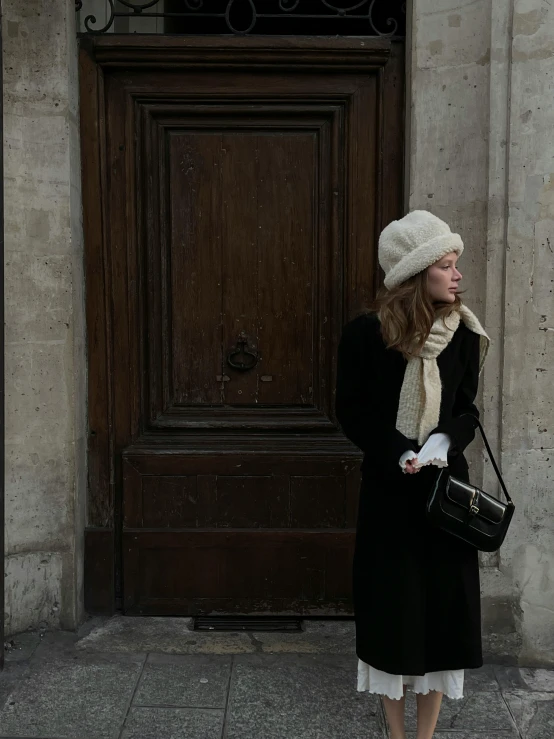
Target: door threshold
[246, 623]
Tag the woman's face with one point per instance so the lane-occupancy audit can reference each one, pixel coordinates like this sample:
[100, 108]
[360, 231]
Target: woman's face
[443, 278]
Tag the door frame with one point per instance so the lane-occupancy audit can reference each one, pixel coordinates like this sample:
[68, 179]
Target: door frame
[383, 56]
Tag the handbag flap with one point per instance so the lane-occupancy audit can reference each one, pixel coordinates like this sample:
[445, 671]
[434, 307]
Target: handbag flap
[462, 493]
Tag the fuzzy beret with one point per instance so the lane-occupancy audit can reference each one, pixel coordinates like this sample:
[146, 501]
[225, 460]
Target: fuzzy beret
[413, 243]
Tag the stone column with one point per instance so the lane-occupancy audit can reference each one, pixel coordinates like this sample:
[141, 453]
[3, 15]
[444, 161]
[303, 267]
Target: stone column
[481, 156]
[528, 369]
[45, 341]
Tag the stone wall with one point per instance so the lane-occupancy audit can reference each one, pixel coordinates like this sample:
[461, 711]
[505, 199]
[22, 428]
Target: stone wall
[528, 371]
[481, 156]
[45, 360]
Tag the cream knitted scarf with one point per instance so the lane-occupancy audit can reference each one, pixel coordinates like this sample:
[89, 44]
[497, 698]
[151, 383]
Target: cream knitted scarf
[420, 396]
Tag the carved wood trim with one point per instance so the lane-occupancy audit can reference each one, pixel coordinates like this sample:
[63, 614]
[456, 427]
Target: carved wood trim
[284, 52]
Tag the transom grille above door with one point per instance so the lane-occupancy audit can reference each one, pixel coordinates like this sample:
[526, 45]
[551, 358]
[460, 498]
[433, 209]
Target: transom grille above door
[242, 17]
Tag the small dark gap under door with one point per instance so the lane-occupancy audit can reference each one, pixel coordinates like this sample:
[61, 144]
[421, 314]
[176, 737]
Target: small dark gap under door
[245, 623]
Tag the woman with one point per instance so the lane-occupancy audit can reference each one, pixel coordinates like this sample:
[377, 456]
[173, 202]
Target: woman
[407, 370]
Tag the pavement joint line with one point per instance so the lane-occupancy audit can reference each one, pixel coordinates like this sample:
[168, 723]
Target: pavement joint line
[119, 736]
[516, 727]
[384, 721]
[461, 705]
[495, 673]
[172, 705]
[226, 711]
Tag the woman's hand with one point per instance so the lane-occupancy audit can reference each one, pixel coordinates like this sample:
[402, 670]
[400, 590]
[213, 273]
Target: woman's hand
[411, 469]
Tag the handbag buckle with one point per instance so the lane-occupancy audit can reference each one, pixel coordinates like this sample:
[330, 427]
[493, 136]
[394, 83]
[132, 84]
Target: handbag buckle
[473, 509]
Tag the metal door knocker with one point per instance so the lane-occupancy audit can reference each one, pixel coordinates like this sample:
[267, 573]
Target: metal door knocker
[249, 357]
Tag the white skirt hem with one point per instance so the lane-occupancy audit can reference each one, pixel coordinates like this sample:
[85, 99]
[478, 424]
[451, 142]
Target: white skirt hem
[448, 682]
[417, 692]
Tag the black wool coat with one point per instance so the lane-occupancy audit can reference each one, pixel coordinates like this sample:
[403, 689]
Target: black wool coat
[415, 588]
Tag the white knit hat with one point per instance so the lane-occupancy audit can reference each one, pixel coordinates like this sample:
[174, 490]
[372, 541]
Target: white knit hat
[413, 243]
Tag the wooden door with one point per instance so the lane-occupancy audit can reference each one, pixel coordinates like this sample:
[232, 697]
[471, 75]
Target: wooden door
[243, 184]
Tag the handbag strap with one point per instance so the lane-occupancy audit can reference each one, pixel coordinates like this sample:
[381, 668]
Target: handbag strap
[491, 455]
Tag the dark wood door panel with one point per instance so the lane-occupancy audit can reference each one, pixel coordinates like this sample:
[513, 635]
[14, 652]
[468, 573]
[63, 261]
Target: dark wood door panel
[239, 253]
[210, 572]
[239, 491]
[243, 259]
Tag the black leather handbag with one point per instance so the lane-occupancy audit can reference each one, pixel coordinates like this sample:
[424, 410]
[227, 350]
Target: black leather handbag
[466, 511]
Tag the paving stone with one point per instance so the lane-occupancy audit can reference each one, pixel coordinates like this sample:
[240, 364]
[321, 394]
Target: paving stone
[10, 676]
[173, 723]
[316, 637]
[72, 698]
[525, 678]
[195, 680]
[300, 697]
[56, 645]
[484, 678]
[476, 711]
[21, 646]
[162, 635]
[533, 713]
[61, 685]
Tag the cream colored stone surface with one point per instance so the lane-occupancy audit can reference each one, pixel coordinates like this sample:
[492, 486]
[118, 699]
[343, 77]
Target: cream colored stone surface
[528, 400]
[481, 138]
[45, 357]
[33, 590]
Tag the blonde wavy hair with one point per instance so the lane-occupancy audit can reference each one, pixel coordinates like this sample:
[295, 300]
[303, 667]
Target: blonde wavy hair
[407, 312]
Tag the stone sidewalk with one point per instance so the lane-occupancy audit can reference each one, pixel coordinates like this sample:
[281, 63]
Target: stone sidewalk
[155, 678]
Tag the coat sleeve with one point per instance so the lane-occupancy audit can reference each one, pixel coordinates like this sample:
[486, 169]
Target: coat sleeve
[461, 429]
[355, 407]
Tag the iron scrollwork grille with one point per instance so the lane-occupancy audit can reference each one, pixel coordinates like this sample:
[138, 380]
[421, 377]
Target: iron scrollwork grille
[242, 17]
